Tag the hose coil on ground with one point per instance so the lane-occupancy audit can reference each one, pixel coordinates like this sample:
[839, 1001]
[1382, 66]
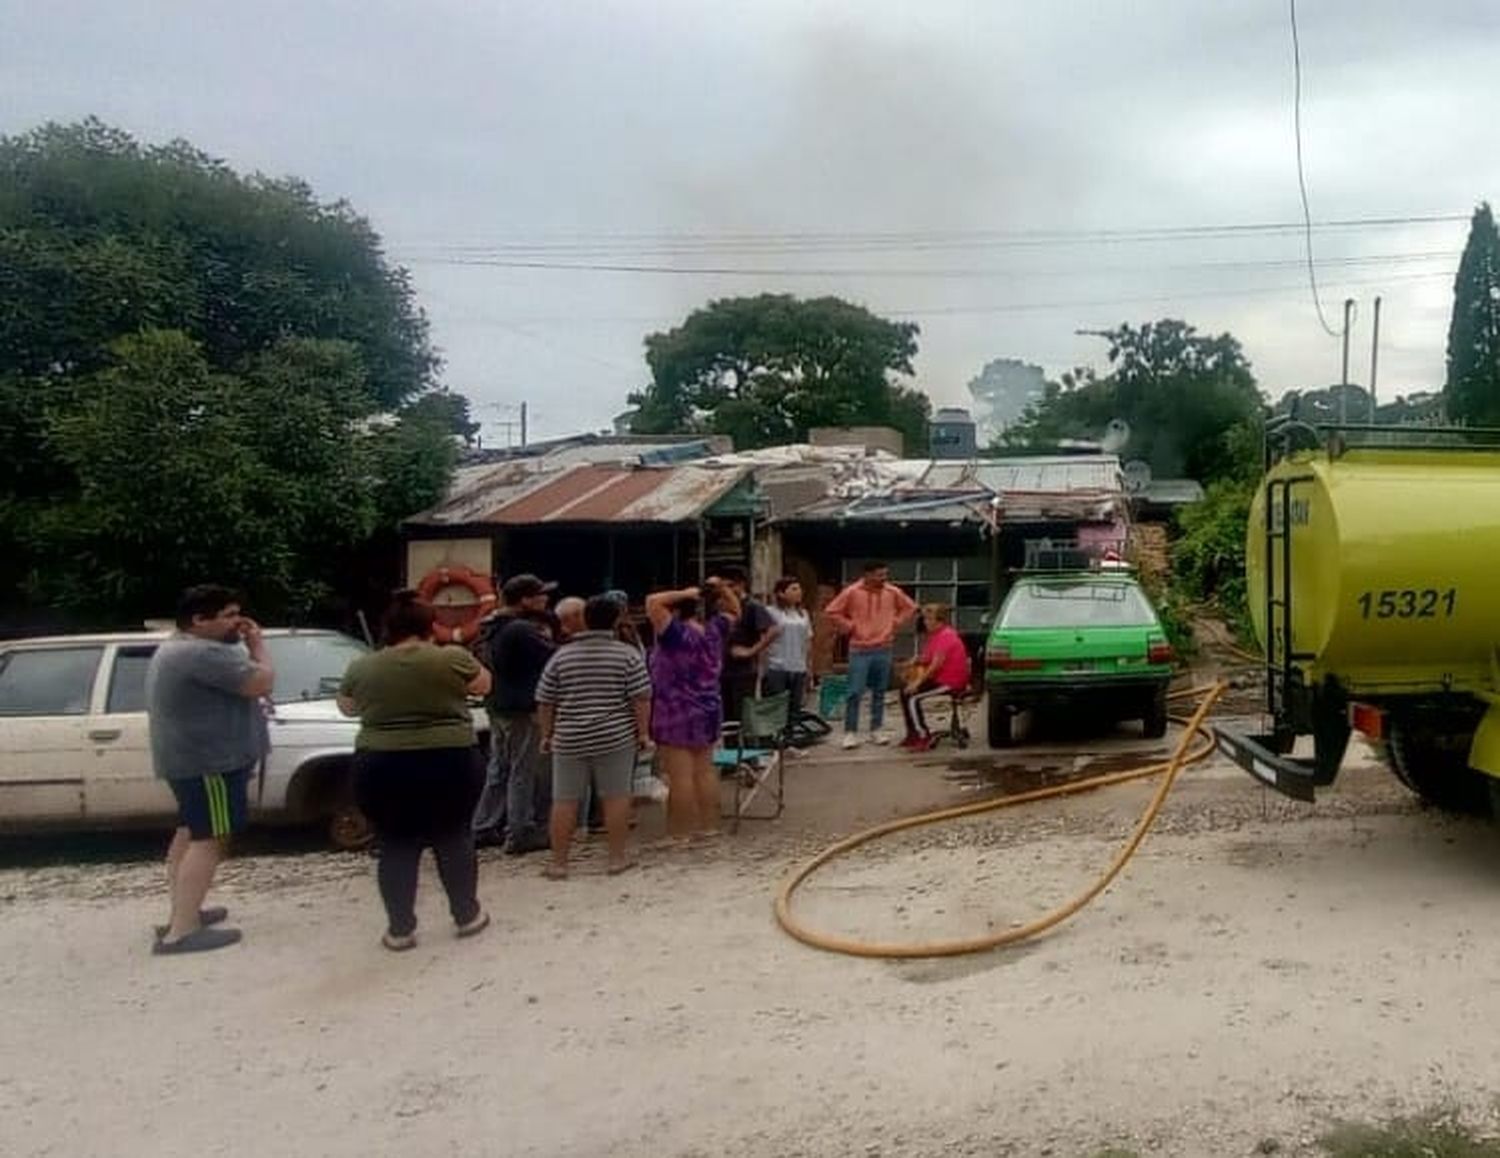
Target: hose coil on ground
[1184, 754]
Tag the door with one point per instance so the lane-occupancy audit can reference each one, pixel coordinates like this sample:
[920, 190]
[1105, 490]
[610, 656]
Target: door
[119, 781]
[46, 694]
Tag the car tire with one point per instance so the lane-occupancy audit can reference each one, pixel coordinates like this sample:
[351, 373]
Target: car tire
[1001, 723]
[1154, 722]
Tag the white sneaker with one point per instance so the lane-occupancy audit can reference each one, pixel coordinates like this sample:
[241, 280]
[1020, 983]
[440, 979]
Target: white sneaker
[882, 738]
[850, 742]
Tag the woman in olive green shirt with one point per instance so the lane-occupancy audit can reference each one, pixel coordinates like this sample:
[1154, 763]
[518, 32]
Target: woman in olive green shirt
[417, 772]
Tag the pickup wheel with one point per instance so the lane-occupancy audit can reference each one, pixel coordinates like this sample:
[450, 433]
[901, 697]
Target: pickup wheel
[322, 791]
[1154, 722]
[1001, 723]
[349, 829]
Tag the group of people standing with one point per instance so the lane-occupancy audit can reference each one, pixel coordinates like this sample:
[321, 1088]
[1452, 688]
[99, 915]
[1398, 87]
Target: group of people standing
[576, 706]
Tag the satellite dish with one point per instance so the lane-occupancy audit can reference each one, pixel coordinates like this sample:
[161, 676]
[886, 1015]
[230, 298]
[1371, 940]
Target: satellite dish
[1116, 435]
[1137, 475]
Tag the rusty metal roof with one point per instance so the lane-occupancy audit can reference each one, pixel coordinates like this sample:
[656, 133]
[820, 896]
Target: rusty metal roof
[589, 493]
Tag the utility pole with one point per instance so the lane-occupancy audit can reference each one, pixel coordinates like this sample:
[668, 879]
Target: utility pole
[523, 422]
[1374, 355]
[1344, 379]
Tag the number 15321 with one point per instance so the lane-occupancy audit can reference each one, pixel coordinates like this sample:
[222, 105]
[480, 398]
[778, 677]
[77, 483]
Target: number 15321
[1428, 603]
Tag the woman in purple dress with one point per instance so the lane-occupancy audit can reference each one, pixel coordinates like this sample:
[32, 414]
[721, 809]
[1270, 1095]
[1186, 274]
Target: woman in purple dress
[691, 628]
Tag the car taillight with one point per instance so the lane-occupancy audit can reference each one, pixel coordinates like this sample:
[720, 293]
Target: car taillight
[1159, 651]
[1000, 659]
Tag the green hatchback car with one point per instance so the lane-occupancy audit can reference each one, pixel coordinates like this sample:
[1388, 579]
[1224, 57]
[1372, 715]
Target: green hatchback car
[1089, 640]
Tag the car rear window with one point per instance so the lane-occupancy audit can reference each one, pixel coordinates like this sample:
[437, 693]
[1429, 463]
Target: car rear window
[1078, 604]
[127, 682]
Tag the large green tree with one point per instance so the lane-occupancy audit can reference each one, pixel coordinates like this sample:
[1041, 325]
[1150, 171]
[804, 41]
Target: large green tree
[1188, 400]
[202, 375]
[766, 369]
[1472, 391]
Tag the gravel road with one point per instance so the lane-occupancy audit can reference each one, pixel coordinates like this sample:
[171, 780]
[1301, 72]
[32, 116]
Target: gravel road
[1260, 969]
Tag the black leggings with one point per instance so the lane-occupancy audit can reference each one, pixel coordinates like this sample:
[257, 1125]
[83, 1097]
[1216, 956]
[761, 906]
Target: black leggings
[416, 799]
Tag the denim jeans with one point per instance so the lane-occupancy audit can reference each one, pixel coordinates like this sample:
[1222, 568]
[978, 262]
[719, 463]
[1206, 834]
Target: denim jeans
[489, 813]
[795, 682]
[872, 670]
[529, 786]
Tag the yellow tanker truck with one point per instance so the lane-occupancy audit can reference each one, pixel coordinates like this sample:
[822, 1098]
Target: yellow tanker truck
[1373, 569]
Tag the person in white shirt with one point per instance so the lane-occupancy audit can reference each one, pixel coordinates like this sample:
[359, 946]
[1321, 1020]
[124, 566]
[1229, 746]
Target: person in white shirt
[791, 645]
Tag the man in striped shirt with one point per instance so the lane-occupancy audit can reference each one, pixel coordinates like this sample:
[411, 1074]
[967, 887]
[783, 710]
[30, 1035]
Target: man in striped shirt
[594, 707]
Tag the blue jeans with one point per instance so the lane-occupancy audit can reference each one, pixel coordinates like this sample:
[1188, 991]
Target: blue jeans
[489, 813]
[872, 670]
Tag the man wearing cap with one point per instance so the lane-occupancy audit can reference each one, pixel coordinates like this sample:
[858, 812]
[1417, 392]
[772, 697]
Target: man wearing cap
[518, 654]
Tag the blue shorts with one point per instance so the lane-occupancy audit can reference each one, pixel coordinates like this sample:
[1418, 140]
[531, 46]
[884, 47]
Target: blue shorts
[213, 807]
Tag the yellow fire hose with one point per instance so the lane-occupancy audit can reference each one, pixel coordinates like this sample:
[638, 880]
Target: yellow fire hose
[1184, 755]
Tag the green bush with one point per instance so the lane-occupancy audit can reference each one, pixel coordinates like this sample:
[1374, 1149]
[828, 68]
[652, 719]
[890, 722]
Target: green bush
[1208, 556]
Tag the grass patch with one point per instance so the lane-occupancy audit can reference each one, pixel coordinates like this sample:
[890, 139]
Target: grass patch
[1437, 1134]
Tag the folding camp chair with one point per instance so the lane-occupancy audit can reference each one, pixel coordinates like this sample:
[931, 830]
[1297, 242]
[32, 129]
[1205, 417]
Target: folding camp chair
[752, 753]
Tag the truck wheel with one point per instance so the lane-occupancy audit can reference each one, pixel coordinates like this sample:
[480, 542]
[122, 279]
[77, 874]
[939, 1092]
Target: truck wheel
[1433, 762]
[1154, 722]
[1001, 723]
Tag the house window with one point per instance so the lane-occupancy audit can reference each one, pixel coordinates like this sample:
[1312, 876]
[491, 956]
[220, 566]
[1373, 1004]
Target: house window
[962, 583]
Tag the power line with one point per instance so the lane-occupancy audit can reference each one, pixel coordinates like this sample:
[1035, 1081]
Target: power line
[915, 239]
[1312, 273]
[994, 308]
[952, 273]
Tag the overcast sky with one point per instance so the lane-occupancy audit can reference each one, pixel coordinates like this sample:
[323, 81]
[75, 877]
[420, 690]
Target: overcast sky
[880, 150]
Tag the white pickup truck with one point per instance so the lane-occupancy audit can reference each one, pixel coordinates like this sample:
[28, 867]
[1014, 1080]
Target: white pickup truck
[74, 749]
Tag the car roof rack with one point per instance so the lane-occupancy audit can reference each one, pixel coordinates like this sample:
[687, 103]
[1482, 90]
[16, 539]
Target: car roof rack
[1064, 556]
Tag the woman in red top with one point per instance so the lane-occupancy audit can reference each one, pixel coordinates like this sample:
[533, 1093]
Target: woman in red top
[942, 669]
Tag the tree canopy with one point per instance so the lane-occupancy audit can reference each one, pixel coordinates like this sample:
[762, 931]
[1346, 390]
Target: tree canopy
[764, 370]
[1472, 392]
[1187, 399]
[203, 375]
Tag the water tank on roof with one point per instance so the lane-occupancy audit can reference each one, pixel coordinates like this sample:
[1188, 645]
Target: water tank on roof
[952, 434]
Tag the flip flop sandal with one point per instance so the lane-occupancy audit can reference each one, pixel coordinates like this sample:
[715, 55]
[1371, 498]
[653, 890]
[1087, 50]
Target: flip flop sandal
[213, 915]
[553, 873]
[198, 941]
[624, 866]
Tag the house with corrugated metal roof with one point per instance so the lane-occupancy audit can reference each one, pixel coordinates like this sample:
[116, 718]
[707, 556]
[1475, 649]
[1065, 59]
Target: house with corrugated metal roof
[642, 515]
[598, 512]
[951, 531]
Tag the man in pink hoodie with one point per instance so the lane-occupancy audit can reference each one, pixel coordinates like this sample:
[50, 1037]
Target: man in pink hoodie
[869, 612]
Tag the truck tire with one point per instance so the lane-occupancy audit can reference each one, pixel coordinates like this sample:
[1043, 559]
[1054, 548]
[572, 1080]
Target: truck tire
[1001, 723]
[1154, 722]
[1433, 762]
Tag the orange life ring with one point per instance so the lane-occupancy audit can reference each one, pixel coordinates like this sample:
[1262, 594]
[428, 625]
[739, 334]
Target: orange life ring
[456, 623]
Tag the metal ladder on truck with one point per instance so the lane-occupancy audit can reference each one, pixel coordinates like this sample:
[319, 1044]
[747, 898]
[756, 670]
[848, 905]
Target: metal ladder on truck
[1267, 756]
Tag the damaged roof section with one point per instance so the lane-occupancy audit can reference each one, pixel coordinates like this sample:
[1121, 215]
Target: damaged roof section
[584, 494]
[984, 492]
[639, 483]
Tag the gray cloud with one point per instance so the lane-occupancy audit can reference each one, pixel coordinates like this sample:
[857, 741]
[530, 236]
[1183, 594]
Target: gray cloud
[456, 124]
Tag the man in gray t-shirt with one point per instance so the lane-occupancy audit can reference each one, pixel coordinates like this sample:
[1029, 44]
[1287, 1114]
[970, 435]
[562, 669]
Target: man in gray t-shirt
[208, 731]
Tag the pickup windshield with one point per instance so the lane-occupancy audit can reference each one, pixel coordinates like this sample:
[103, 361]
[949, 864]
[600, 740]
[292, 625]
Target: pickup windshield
[309, 667]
